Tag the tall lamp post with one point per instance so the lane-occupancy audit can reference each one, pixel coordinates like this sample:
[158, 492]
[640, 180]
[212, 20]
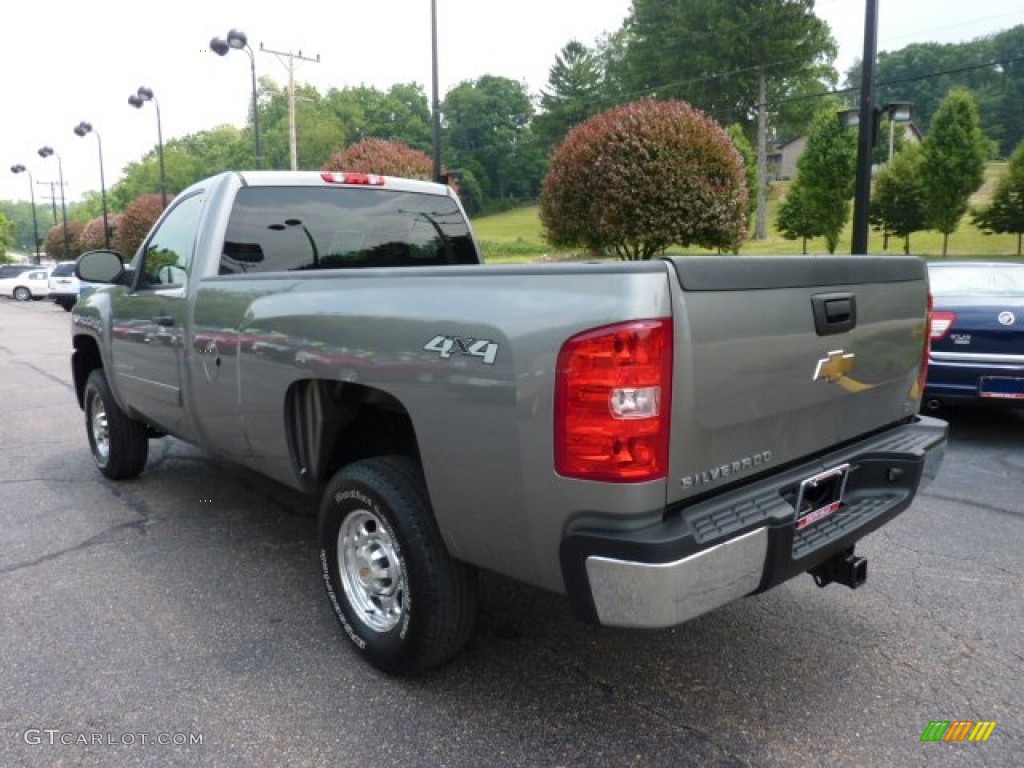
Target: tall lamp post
[45, 152]
[436, 101]
[239, 42]
[84, 129]
[19, 168]
[137, 99]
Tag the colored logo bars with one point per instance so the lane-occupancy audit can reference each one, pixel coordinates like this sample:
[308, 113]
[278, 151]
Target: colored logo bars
[958, 730]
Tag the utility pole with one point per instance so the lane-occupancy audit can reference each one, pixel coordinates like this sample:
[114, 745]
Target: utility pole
[761, 230]
[866, 132]
[290, 65]
[52, 198]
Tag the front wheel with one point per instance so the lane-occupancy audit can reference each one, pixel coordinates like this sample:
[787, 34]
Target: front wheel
[119, 444]
[21, 293]
[402, 600]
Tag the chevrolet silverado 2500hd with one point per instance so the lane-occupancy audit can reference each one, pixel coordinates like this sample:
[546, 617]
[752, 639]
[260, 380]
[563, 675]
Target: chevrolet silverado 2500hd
[652, 439]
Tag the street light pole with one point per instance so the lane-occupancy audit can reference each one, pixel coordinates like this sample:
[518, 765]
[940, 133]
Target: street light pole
[19, 168]
[238, 41]
[83, 129]
[45, 152]
[137, 99]
[436, 100]
[865, 132]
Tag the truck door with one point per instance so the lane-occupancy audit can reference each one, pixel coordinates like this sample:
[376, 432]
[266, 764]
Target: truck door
[148, 322]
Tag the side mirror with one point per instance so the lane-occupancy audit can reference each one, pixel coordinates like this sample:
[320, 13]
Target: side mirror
[100, 267]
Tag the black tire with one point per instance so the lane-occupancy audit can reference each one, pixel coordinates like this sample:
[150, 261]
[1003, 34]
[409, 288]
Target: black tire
[66, 304]
[402, 600]
[21, 293]
[119, 444]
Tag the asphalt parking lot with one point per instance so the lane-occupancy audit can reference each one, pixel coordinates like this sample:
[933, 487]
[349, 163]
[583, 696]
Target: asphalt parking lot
[179, 619]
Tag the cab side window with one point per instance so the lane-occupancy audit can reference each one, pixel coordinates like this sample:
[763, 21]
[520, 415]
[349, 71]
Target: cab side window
[168, 253]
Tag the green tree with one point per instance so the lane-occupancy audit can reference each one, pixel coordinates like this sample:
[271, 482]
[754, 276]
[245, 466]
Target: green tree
[488, 131]
[953, 165]
[898, 201]
[574, 93]
[825, 174]
[743, 146]
[795, 219]
[714, 53]
[6, 237]
[992, 67]
[644, 176]
[1005, 214]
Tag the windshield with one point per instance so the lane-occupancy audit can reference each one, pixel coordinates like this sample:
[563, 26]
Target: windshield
[977, 280]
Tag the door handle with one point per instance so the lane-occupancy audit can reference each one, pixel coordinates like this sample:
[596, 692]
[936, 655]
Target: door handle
[165, 320]
[834, 313]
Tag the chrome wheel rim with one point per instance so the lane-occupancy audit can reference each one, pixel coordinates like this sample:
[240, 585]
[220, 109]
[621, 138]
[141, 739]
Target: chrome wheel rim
[100, 429]
[372, 574]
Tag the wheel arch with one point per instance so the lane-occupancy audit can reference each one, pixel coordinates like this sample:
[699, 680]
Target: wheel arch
[331, 424]
[85, 358]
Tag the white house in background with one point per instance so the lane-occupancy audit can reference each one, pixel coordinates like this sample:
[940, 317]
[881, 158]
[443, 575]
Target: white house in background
[782, 158]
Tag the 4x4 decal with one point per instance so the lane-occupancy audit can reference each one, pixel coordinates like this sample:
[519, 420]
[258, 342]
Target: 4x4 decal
[446, 346]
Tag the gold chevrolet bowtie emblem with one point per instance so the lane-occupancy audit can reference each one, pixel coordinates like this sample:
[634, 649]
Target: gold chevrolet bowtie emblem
[834, 367]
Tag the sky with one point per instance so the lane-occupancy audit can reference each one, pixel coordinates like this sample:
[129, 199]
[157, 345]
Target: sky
[64, 61]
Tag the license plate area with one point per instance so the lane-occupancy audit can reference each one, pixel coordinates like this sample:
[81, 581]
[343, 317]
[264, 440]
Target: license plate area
[1005, 387]
[821, 496]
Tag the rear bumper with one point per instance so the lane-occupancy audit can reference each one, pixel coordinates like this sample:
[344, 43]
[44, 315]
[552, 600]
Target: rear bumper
[744, 541]
[960, 379]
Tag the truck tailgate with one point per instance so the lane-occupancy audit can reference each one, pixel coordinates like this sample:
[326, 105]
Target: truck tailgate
[777, 359]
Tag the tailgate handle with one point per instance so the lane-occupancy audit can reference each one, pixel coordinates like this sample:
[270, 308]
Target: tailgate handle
[834, 313]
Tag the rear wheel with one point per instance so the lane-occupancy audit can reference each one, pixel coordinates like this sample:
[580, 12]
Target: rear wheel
[402, 600]
[119, 444]
[21, 293]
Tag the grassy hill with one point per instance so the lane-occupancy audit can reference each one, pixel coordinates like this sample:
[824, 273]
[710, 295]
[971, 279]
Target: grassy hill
[517, 235]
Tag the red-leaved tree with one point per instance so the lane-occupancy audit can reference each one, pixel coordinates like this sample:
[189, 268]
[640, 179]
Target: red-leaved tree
[53, 244]
[644, 176]
[92, 236]
[138, 218]
[383, 157]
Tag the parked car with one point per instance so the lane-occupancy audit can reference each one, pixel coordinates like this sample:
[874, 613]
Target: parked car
[27, 285]
[64, 285]
[977, 333]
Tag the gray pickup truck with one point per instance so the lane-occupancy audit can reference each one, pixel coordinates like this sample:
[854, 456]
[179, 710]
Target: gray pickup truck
[652, 439]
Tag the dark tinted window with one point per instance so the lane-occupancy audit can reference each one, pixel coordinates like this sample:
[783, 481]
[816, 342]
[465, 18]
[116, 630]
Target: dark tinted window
[276, 229]
[12, 270]
[64, 269]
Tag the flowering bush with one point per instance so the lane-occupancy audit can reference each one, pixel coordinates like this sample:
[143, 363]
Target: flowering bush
[639, 178]
[53, 243]
[386, 158]
[92, 236]
[138, 218]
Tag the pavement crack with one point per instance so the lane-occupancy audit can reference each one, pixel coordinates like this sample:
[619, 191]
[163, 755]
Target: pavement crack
[973, 502]
[44, 374]
[143, 514]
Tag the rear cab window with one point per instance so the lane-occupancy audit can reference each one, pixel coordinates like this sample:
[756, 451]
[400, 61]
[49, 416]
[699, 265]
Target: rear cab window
[283, 229]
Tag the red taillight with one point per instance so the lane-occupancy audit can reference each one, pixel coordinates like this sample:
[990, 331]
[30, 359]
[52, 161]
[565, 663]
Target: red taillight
[940, 323]
[366, 179]
[613, 402]
[932, 319]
